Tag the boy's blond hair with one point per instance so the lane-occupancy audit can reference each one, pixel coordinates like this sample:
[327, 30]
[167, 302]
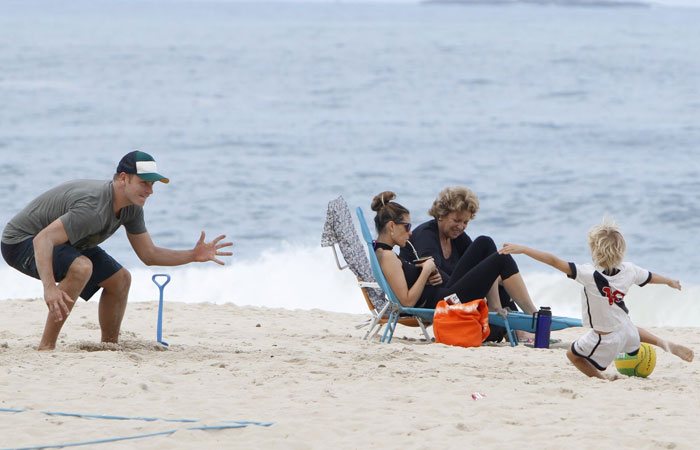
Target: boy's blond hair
[607, 245]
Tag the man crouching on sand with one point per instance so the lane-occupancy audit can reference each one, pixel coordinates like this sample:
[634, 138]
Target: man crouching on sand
[55, 239]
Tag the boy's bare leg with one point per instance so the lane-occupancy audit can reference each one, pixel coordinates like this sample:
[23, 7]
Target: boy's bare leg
[584, 365]
[518, 291]
[113, 301]
[680, 351]
[73, 284]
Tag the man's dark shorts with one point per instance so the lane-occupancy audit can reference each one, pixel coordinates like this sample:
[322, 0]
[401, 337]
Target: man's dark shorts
[21, 257]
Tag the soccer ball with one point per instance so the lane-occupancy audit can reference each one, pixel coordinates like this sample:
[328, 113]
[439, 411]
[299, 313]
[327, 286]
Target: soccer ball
[640, 365]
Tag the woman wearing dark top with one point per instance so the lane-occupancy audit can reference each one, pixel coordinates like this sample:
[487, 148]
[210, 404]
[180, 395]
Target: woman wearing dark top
[421, 285]
[444, 238]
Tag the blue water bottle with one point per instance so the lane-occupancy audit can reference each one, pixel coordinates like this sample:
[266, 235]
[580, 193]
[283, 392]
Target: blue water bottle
[543, 327]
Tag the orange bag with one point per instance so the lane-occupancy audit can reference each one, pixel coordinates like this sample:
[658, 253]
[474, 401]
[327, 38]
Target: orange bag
[463, 324]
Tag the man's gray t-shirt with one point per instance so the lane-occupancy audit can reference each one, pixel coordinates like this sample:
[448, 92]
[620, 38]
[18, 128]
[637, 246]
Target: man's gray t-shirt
[86, 209]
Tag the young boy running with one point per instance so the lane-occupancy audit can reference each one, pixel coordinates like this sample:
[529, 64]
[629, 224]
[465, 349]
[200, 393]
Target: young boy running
[605, 285]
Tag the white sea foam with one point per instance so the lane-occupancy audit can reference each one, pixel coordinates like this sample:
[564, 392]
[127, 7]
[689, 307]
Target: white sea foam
[292, 278]
[295, 277]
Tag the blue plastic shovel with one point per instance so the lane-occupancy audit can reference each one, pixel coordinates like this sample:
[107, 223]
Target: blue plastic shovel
[161, 287]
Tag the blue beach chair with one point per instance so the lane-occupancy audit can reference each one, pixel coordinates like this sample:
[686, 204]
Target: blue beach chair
[340, 231]
[396, 308]
[514, 320]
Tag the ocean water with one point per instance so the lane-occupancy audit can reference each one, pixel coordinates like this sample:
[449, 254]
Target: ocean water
[260, 113]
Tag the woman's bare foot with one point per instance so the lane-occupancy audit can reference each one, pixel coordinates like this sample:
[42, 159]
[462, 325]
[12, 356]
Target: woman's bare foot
[525, 336]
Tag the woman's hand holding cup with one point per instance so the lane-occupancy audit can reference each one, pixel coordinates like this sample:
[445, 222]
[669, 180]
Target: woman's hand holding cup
[428, 264]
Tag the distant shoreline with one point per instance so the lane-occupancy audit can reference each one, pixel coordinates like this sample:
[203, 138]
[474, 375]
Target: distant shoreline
[567, 3]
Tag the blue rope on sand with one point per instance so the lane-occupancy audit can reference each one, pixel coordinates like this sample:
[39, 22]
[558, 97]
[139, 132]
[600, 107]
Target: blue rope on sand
[101, 416]
[147, 419]
[233, 424]
[101, 441]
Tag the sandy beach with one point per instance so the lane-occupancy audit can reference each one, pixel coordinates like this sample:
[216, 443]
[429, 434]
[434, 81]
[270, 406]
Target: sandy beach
[310, 373]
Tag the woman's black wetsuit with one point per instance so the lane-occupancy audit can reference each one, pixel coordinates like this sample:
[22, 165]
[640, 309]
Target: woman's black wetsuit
[472, 277]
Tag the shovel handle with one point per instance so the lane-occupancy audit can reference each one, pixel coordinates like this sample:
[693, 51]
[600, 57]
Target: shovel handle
[167, 280]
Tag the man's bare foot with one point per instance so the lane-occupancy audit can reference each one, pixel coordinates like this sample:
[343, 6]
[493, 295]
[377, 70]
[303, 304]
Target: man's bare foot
[681, 351]
[44, 348]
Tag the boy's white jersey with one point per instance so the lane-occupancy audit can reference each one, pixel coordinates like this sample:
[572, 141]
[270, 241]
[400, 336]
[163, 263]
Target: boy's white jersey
[603, 296]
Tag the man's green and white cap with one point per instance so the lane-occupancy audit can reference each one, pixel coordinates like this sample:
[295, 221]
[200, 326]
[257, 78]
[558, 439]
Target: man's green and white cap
[141, 164]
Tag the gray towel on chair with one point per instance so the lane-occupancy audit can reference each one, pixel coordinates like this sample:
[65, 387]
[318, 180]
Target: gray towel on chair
[340, 230]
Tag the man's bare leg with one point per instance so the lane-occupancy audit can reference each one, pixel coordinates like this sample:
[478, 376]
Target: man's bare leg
[680, 351]
[73, 284]
[113, 301]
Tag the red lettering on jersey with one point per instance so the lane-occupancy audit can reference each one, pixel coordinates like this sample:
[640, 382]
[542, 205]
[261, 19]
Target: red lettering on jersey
[613, 296]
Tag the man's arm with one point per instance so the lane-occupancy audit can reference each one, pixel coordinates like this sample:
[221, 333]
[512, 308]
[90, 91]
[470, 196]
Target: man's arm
[44, 242]
[157, 256]
[539, 255]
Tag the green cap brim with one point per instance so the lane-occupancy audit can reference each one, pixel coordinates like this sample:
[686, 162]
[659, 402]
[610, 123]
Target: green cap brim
[153, 177]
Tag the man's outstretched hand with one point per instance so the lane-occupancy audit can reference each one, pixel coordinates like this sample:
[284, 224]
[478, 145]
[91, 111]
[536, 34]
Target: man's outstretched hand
[208, 251]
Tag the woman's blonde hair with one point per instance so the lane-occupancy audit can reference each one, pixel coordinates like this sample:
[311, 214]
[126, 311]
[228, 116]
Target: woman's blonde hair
[455, 199]
[607, 245]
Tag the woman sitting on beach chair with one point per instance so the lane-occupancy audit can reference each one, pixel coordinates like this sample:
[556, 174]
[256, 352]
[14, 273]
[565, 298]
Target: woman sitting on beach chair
[419, 283]
[445, 239]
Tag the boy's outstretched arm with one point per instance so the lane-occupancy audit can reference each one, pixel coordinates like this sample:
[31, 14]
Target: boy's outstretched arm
[660, 279]
[539, 255]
